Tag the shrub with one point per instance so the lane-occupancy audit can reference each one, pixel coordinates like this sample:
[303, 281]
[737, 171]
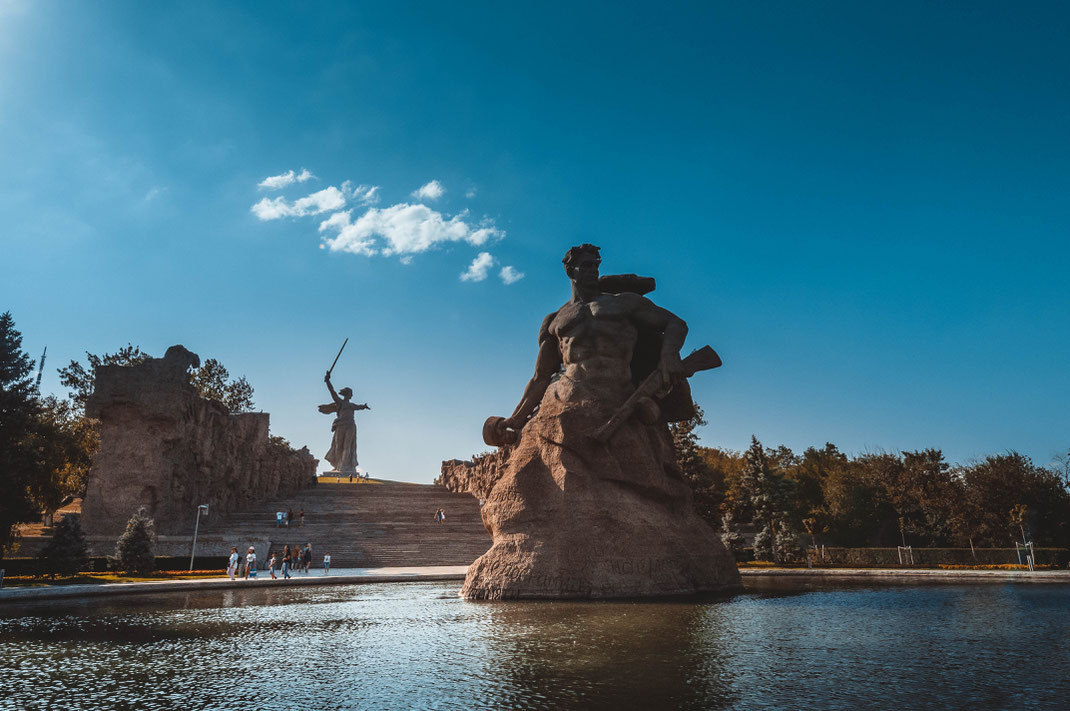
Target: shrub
[135, 551]
[66, 553]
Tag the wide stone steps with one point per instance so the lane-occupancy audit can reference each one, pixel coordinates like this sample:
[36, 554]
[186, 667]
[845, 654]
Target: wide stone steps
[368, 525]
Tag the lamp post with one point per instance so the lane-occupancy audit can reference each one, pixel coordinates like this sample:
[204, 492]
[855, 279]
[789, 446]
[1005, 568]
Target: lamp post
[203, 508]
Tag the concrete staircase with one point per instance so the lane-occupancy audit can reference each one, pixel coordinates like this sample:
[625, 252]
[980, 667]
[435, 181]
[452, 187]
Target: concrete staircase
[367, 525]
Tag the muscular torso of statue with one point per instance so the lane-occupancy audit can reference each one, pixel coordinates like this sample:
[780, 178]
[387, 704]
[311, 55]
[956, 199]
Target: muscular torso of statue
[597, 335]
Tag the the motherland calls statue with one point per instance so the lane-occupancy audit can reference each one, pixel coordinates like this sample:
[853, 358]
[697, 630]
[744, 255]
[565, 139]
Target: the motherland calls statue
[589, 501]
[343, 452]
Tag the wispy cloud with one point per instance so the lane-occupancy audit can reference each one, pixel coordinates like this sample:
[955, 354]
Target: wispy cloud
[277, 182]
[402, 229]
[330, 198]
[470, 193]
[361, 194]
[431, 191]
[477, 270]
[509, 275]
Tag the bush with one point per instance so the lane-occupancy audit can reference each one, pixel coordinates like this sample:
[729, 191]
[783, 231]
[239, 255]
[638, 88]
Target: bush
[66, 553]
[135, 551]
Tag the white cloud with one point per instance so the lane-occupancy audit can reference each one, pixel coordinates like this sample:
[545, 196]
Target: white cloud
[330, 198]
[277, 182]
[471, 193]
[402, 229]
[510, 275]
[431, 191]
[362, 194]
[406, 260]
[477, 270]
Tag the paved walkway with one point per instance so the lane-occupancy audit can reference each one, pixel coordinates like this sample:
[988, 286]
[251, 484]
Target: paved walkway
[917, 575]
[337, 576]
[351, 576]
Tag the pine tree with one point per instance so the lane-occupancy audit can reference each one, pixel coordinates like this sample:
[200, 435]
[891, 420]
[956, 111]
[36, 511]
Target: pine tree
[66, 553]
[18, 420]
[770, 497]
[730, 537]
[135, 551]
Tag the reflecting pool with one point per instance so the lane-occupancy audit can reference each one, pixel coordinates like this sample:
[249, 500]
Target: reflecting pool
[418, 645]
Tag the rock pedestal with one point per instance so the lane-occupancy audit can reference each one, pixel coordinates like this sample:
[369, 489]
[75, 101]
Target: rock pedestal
[573, 518]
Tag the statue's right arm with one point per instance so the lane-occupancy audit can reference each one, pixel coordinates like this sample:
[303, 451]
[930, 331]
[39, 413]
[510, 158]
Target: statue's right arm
[547, 364]
[330, 388]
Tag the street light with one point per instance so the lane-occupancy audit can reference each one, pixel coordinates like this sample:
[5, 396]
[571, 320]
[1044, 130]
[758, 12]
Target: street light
[203, 508]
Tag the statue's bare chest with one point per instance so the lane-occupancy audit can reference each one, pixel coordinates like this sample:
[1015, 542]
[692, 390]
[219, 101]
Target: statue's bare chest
[576, 320]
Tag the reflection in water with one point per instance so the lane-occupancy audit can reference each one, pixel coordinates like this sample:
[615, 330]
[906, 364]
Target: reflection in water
[420, 646]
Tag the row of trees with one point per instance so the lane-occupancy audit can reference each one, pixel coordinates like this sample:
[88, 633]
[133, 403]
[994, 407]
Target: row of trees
[873, 499]
[47, 443]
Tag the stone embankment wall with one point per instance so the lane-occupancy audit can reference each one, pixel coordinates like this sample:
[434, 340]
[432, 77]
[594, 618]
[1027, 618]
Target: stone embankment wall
[476, 477]
[164, 447]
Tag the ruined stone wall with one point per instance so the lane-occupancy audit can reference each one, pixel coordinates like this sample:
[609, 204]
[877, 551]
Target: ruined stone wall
[164, 447]
[476, 477]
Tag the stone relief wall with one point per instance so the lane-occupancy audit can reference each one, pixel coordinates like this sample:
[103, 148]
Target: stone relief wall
[476, 477]
[164, 447]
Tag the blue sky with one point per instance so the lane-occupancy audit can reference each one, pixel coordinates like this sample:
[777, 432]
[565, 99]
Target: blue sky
[861, 206]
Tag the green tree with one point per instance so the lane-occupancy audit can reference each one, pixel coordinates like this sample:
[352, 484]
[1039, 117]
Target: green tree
[730, 537]
[770, 497]
[725, 467]
[66, 553]
[693, 466]
[856, 508]
[135, 551]
[213, 382]
[994, 486]
[19, 454]
[79, 379]
[66, 442]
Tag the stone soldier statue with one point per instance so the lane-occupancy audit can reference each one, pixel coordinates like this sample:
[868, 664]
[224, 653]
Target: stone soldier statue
[589, 501]
[343, 452]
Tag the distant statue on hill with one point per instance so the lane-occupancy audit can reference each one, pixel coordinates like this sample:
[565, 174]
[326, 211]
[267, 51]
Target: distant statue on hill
[343, 452]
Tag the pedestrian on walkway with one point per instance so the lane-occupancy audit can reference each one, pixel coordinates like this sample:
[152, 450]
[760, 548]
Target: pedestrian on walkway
[326, 563]
[272, 565]
[306, 557]
[232, 564]
[301, 517]
[279, 516]
[289, 517]
[286, 561]
[250, 563]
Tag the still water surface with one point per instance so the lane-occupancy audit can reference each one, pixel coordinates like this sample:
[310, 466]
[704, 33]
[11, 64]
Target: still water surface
[419, 646]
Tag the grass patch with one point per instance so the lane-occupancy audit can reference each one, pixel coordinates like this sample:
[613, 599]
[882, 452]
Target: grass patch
[32, 581]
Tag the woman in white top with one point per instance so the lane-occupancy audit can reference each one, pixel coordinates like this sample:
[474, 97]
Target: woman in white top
[232, 566]
[326, 563]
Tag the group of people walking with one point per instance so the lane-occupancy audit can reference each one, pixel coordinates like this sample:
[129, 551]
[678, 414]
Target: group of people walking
[283, 518]
[296, 559]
